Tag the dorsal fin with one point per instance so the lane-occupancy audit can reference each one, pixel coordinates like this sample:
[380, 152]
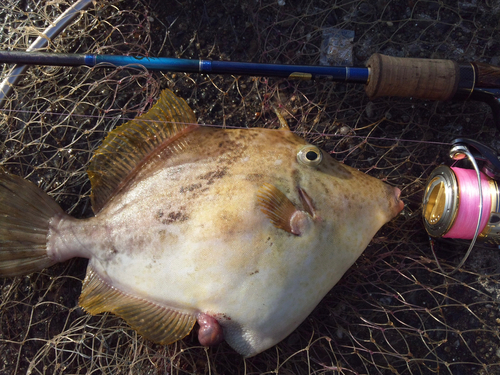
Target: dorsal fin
[129, 146]
[281, 119]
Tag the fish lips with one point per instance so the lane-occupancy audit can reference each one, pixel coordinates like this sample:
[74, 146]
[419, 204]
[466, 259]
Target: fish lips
[398, 205]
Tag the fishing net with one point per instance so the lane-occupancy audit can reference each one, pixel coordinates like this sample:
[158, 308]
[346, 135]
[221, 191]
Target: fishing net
[394, 312]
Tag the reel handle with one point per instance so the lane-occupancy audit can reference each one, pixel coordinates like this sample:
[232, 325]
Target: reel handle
[480, 152]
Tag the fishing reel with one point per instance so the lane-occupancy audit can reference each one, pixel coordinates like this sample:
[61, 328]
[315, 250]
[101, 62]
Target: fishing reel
[459, 202]
[464, 203]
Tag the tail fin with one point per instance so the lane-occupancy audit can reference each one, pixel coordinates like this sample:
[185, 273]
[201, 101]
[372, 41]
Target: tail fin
[25, 213]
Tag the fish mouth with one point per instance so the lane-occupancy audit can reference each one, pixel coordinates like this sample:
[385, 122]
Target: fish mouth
[398, 203]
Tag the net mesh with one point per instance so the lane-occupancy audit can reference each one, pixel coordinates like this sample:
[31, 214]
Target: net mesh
[393, 312]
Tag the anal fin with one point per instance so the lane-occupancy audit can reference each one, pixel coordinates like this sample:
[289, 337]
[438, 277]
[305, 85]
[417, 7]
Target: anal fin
[157, 323]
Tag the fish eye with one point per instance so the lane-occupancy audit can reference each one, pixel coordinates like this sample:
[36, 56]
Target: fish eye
[310, 155]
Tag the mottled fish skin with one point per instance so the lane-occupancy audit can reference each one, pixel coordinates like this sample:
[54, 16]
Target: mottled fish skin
[188, 232]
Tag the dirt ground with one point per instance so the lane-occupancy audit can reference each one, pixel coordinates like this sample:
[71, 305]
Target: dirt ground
[394, 312]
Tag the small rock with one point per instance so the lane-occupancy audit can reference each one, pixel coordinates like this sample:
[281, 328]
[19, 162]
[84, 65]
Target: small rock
[370, 110]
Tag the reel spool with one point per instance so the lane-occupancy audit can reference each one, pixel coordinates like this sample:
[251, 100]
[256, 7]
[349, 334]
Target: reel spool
[451, 205]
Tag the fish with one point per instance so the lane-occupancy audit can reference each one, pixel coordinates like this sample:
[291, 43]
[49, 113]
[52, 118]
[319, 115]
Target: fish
[240, 231]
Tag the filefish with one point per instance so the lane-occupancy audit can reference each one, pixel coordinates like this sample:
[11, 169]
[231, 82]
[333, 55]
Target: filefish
[242, 231]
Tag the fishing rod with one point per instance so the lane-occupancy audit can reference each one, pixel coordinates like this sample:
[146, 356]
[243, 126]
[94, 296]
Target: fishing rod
[431, 79]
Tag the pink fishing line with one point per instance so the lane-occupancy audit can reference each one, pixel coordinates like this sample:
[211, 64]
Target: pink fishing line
[468, 206]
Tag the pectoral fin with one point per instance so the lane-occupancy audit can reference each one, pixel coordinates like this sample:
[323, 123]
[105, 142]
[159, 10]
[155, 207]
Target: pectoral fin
[157, 323]
[281, 211]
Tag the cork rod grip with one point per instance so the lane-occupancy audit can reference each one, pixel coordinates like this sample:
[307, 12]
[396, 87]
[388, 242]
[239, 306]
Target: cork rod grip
[407, 77]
